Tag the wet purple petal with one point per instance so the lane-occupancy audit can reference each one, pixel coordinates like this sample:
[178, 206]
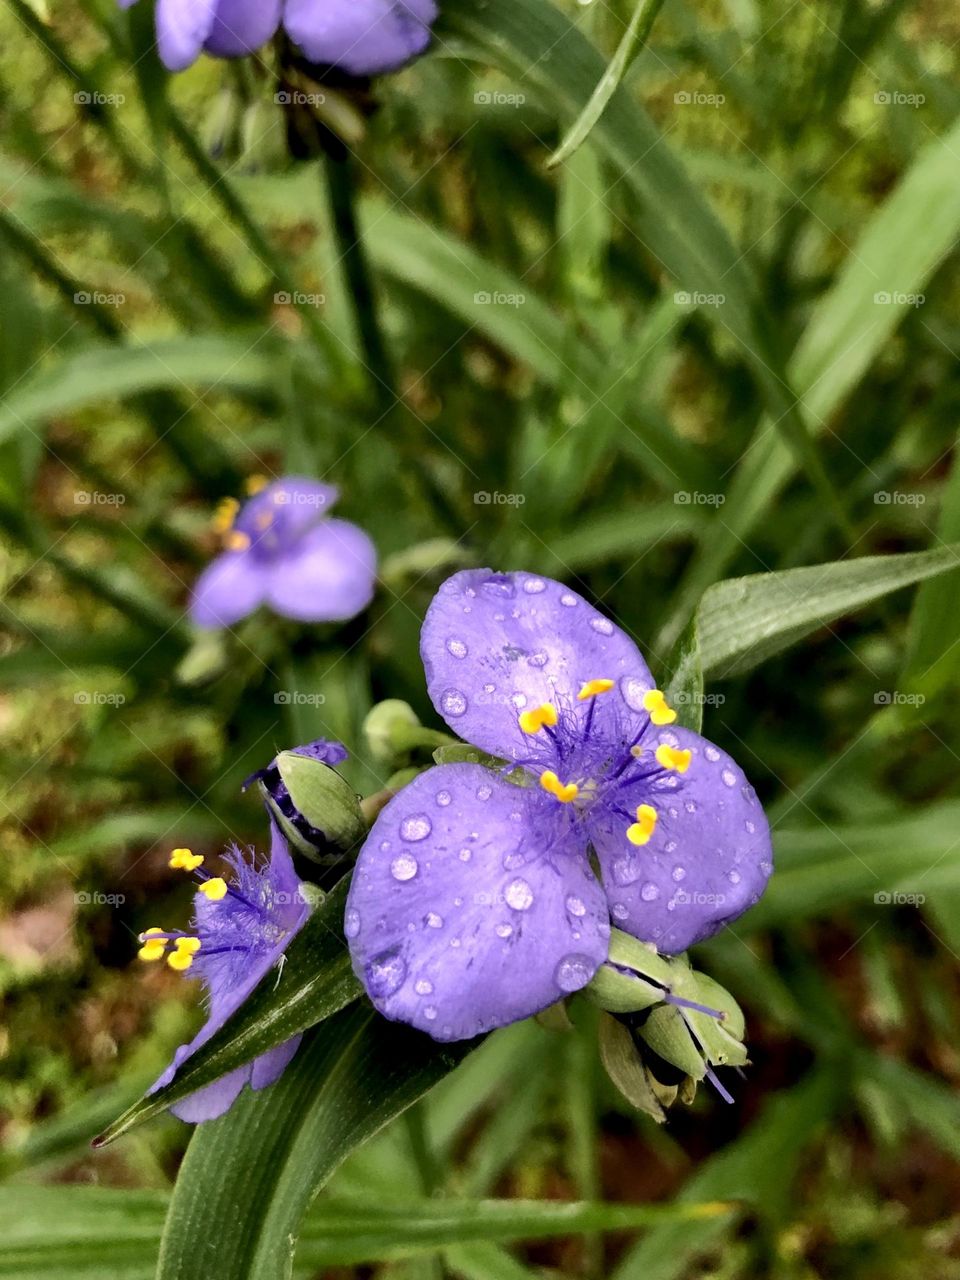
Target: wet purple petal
[364, 37]
[242, 26]
[328, 577]
[472, 905]
[182, 28]
[495, 644]
[230, 588]
[708, 859]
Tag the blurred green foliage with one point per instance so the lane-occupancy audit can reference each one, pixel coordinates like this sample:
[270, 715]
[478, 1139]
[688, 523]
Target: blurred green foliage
[718, 340]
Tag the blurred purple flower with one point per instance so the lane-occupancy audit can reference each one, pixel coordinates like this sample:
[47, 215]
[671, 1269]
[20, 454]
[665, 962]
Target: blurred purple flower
[240, 930]
[474, 903]
[362, 37]
[282, 551]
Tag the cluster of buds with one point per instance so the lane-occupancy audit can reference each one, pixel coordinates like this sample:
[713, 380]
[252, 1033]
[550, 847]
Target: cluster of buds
[665, 1028]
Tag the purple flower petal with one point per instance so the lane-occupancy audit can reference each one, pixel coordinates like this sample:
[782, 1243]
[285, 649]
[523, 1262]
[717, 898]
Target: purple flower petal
[328, 577]
[182, 28]
[270, 1066]
[708, 859]
[364, 37]
[213, 1099]
[231, 586]
[276, 516]
[494, 644]
[473, 905]
[242, 26]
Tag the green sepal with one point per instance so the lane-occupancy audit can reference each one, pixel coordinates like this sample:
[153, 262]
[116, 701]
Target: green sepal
[666, 1033]
[626, 1070]
[617, 992]
[324, 799]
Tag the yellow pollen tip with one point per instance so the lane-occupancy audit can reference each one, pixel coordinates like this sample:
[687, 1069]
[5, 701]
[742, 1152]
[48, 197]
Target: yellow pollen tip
[225, 515]
[532, 721]
[214, 889]
[564, 792]
[185, 860]
[237, 541]
[180, 960]
[255, 484]
[672, 758]
[153, 945]
[641, 830]
[190, 945]
[655, 702]
[593, 687]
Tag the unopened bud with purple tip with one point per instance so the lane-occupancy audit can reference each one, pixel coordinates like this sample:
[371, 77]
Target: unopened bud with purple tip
[314, 805]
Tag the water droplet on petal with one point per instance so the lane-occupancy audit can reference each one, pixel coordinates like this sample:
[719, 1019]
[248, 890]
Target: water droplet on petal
[465, 855]
[433, 920]
[443, 799]
[457, 648]
[729, 778]
[385, 974]
[602, 625]
[632, 690]
[513, 861]
[519, 700]
[453, 703]
[733, 877]
[384, 846]
[498, 587]
[576, 906]
[423, 986]
[538, 659]
[712, 754]
[750, 827]
[574, 972]
[504, 930]
[626, 870]
[519, 895]
[619, 911]
[679, 873]
[690, 806]
[429, 1013]
[649, 892]
[766, 868]
[533, 586]
[484, 792]
[404, 866]
[417, 827]
[569, 600]
[351, 924]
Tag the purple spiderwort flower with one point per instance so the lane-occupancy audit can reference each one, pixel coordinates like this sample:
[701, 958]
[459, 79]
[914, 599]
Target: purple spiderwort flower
[362, 37]
[240, 930]
[474, 903]
[284, 552]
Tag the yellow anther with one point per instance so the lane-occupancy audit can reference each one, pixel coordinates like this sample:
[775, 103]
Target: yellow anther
[180, 960]
[225, 515]
[564, 792]
[593, 687]
[655, 702]
[214, 889]
[237, 541]
[532, 721]
[255, 484]
[673, 758]
[190, 945]
[185, 860]
[154, 945]
[641, 831]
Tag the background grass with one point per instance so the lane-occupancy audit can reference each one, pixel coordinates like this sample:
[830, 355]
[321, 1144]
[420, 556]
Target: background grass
[719, 340]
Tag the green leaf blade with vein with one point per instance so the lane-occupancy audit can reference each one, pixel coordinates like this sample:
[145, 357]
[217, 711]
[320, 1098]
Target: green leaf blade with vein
[315, 982]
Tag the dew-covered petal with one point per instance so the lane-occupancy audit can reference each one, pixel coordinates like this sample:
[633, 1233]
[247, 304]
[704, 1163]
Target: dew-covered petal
[271, 1065]
[182, 28]
[213, 1099]
[329, 577]
[242, 26]
[495, 644]
[472, 905]
[708, 859]
[230, 588]
[363, 37]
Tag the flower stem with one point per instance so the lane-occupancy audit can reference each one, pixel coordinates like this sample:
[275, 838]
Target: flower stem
[342, 197]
